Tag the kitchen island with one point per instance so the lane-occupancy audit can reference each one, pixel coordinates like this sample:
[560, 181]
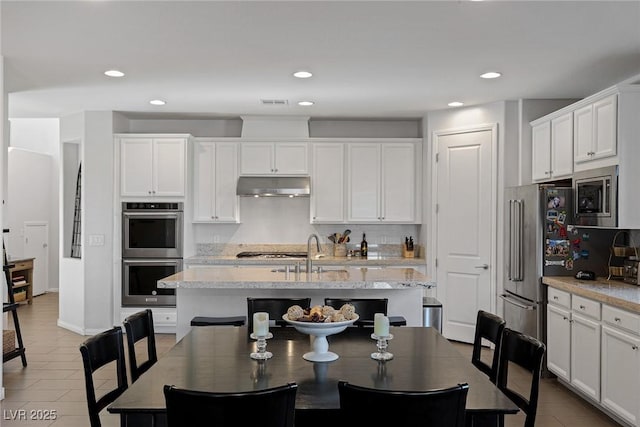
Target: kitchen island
[223, 291]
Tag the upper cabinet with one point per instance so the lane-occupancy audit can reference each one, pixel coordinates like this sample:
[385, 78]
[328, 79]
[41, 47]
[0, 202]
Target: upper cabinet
[596, 130]
[552, 148]
[152, 165]
[215, 178]
[327, 182]
[274, 158]
[381, 182]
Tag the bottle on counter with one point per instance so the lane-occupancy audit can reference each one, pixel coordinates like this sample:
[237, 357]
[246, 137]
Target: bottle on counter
[364, 249]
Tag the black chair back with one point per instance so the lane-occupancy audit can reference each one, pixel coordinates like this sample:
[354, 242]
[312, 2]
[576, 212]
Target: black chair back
[139, 326]
[276, 307]
[361, 406]
[98, 351]
[490, 327]
[526, 352]
[273, 407]
[366, 309]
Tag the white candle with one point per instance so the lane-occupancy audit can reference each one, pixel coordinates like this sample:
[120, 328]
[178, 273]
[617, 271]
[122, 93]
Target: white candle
[260, 324]
[380, 325]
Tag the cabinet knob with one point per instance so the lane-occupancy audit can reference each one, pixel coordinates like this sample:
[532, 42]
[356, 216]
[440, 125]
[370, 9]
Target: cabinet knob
[555, 298]
[617, 319]
[634, 347]
[582, 307]
[275, 170]
[149, 191]
[565, 318]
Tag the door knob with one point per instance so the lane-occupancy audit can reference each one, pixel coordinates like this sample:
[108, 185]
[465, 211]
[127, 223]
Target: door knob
[483, 266]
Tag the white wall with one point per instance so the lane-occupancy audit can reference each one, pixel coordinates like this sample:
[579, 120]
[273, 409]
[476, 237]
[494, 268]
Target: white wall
[39, 136]
[4, 143]
[204, 127]
[325, 128]
[284, 220]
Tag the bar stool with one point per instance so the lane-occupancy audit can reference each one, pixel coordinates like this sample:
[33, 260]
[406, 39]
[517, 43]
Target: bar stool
[366, 309]
[139, 326]
[219, 321]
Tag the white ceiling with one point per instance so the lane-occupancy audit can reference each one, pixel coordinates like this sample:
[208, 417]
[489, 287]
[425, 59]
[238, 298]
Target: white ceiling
[370, 59]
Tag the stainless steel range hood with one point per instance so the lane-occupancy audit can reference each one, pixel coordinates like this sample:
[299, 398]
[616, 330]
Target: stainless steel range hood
[273, 186]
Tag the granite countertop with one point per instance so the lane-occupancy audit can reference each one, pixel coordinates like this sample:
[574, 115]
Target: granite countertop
[267, 278]
[611, 292]
[371, 260]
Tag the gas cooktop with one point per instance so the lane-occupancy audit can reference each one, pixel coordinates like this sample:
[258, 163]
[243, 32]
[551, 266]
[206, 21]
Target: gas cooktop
[271, 255]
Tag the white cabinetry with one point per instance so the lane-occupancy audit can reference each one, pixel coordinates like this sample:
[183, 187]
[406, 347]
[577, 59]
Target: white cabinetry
[269, 158]
[596, 130]
[559, 341]
[381, 182]
[585, 346]
[215, 180]
[327, 183]
[621, 363]
[552, 148]
[152, 165]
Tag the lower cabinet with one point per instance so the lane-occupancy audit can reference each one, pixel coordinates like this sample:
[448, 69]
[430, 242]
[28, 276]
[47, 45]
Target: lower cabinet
[585, 355]
[559, 341]
[595, 348]
[621, 373]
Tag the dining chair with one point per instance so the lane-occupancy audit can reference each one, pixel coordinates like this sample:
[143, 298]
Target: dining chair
[139, 326]
[489, 327]
[526, 352]
[276, 307]
[98, 351]
[362, 406]
[274, 407]
[366, 308]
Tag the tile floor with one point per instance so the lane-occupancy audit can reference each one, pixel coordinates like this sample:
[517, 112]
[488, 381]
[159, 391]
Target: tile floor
[54, 379]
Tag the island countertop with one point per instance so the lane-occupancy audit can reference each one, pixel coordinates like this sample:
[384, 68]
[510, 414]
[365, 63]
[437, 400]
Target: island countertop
[269, 278]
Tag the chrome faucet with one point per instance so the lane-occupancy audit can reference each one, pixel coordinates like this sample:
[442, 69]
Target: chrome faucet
[312, 236]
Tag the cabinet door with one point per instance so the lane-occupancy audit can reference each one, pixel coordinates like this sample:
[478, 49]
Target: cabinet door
[583, 133]
[256, 158]
[562, 146]
[605, 127]
[398, 183]
[204, 182]
[559, 342]
[363, 192]
[291, 158]
[541, 151]
[169, 155]
[620, 373]
[327, 183]
[585, 355]
[226, 180]
[136, 162]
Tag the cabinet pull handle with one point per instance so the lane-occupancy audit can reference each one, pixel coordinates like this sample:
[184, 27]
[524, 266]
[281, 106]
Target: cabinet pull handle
[565, 318]
[582, 307]
[634, 347]
[555, 298]
[617, 319]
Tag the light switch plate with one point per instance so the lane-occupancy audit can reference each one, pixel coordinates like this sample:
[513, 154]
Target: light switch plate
[96, 240]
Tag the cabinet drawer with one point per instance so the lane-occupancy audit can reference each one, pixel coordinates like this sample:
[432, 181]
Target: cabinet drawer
[621, 319]
[585, 306]
[22, 265]
[559, 297]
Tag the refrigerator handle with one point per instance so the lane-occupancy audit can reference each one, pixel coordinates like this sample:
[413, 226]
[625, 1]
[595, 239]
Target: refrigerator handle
[518, 238]
[509, 300]
[510, 245]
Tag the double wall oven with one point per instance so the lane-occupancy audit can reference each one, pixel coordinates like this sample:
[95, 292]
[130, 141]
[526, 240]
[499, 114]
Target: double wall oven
[151, 250]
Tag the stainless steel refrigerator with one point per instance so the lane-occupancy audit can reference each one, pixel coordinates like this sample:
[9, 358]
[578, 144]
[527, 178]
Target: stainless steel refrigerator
[539, 241]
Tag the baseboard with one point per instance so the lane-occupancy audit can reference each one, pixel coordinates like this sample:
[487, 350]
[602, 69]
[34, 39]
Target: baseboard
[56, 290]
[1, 393]
[70, 327]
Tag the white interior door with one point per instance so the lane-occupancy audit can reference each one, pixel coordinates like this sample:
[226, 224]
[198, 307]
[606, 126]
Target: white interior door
[36, 245]
[464, 227]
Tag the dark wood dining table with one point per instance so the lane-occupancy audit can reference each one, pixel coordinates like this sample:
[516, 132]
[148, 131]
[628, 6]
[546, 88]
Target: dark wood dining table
[216, 358]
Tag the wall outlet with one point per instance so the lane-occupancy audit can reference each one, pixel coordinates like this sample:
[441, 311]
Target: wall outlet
[216, 238]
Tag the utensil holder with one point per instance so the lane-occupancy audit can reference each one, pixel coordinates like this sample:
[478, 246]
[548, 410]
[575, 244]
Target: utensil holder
[407, 253]
[340, 250]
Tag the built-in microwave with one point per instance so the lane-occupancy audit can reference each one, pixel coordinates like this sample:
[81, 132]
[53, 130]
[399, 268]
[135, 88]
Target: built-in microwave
[596, 197]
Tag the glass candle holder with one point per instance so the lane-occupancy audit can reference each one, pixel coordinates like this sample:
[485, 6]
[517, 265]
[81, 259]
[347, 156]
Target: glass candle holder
[261, 344]
[382, 344]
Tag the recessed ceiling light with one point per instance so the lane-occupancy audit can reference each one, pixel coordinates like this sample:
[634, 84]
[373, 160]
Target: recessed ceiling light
[455, 104]
[306, 103]
[114, 73]
[302, 74]
[157, 102]
[491, 75]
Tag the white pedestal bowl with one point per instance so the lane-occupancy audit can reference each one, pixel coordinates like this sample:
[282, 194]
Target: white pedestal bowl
[319, 331]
